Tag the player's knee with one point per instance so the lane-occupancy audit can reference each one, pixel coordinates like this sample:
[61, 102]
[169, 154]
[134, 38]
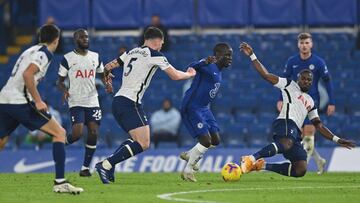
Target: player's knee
[286, 143]
[93, 133]
[205, 141]
[145, 144]
[216, 141]
[300, 172]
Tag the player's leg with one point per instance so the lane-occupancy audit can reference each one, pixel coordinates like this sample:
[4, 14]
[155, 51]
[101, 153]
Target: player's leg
[3, 141]
[77, 115]
[131, 117]
[297, 166]
[309, 146]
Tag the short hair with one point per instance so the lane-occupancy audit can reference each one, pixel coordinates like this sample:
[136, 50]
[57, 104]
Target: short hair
[304, 35]
[220, 47]
[76, 33]
[305, 71]
[48, 33]
[153, 33]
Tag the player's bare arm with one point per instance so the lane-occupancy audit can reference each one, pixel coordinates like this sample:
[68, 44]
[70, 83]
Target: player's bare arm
[29, 79]
[61, 85]
[247, 50]
[330, 136]
[106, 79]
[175, 74]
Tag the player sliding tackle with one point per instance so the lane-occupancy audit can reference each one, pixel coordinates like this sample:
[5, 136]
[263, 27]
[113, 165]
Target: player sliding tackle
[286, 128]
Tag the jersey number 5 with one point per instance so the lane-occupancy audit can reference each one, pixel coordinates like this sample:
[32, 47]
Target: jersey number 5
[130, 66]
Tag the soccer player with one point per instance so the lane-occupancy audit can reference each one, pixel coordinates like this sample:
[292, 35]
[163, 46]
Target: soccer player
[81, 66]
[305, 59]
[195, 110]
[286, 128]
[21, 103]
[139, 66]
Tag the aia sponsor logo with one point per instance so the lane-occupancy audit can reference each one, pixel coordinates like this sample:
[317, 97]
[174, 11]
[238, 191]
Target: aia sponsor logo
[84, 73]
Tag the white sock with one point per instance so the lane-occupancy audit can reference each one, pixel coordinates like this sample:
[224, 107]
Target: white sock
[194, 156]
[106, 164]
[316, 156]
[59, 180]
[84, 168]
[308, 143]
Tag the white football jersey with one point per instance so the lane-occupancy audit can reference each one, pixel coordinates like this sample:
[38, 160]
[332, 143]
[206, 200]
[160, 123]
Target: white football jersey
[81, 71]
[140, 64]
[14, 92]
[296, 104]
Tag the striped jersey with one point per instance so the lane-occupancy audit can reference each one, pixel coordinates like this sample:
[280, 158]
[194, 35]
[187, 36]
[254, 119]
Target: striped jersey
[15, 92]
[140, 64]
[81, 71]
[297, 104]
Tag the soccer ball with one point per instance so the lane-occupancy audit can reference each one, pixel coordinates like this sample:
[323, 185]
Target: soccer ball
[231, 172]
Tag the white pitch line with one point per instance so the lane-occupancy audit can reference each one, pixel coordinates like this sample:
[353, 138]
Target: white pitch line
[168, 196]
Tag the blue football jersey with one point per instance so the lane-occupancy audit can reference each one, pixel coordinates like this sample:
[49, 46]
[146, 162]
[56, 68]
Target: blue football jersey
[204, 87]
[317, 65]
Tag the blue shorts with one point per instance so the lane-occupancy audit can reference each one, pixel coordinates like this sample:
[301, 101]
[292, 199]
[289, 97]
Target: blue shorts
[11, 115]
[85, 115]
[289, 129]
[199, 121]
[128, 114]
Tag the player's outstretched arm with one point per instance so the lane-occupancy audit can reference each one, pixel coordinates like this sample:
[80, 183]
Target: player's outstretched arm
[29, 79]
[330, 136]
[247, 50]
[180, 75]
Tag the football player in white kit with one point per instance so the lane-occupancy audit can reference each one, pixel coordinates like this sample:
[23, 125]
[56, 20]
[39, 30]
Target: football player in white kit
[21, 103]
[139, 66]
[81, 66]
[286, 128]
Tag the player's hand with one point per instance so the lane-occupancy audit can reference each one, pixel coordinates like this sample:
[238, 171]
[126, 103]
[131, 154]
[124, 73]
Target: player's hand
[65, 97]
[330, 110]
[210, 59]
[41, 106]
[191, 71]
[279, 105]
[346, 143]
[246, 49]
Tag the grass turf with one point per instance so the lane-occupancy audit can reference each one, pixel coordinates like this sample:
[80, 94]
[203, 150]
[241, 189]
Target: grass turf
[145, 187]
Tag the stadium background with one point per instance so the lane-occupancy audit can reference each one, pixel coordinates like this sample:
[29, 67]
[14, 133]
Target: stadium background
[245, 106]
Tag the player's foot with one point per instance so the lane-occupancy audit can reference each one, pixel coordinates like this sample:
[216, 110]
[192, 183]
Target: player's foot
[66, 187]
[85, 173]
[112, 174]
[321, 166]
[258, 165]
[247, 164]
[185, 156]
[188, 177]
[103, 173]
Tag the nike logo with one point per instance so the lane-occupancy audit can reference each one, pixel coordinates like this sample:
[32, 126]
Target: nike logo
[295, 66]
[215, 73]
[21, 167]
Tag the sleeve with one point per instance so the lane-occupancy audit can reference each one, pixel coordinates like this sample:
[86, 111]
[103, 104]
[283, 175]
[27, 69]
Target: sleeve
[40, 59]
[283, 83]
[325, 75]
[313, 113]
[64, 67]
[100, 67]
[160, 61]
[121, 59]
[288, 71]
[198, 64]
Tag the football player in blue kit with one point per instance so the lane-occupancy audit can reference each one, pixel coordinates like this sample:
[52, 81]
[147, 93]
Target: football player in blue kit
[286, 128]
[305, 59]
[195, 111]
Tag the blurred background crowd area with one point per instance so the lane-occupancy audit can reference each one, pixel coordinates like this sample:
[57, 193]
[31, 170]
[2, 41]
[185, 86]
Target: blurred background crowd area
[246, 105]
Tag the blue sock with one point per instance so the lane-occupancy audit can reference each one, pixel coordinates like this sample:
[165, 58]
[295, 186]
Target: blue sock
[269, 150]
[128, 141]
[89, 153]
[283, 169]
[125, 152]
[59, 159]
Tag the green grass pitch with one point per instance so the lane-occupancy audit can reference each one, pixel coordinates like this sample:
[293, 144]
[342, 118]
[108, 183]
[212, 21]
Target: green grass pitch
[168, 187]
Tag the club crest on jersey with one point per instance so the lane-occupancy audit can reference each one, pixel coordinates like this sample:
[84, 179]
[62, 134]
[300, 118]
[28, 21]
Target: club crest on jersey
[84, 74]
[311, 67]
[200, 125]
[305, 102]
